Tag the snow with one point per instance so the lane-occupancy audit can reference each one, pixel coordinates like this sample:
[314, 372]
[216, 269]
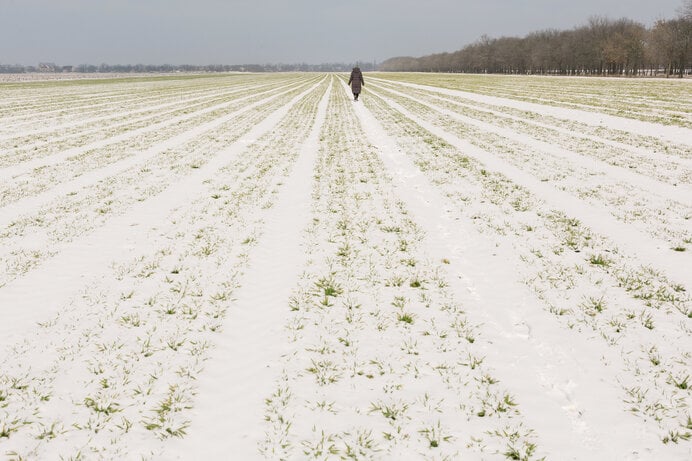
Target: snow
[258, 267]
[259, 305]
[573, 417]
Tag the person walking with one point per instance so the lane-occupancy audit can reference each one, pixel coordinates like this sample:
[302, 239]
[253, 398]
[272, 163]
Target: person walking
[356, 81]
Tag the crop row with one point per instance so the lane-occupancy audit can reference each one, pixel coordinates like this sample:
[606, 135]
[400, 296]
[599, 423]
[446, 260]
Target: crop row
[381, 362]
[582, 278]
[140, 336]
[81, 100]
[122, 146]
[71, 145]
[154, 104]
[659, 215]
[41, 233]
[659, 101]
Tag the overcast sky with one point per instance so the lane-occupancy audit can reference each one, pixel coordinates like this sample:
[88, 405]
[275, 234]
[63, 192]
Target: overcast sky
[281, 31]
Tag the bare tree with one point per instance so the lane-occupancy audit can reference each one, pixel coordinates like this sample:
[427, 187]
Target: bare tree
[601, 47]
[686, 10]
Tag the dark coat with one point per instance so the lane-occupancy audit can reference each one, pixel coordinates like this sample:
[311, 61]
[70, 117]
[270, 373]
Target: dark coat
[356, 80]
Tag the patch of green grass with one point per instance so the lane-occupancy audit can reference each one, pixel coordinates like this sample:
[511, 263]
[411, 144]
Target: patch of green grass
[394, 411]
[329, 287]
[416, 283]
[593, 306]
[682, 383]
[405, 317]
[599, 260]
[435, 435]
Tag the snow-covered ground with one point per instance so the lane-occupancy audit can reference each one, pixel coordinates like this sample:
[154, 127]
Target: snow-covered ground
[257, 267]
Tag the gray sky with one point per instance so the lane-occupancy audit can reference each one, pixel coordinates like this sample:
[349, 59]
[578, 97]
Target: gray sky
[274, 31]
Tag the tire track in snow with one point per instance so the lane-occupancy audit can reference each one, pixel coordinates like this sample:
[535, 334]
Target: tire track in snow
[646, 250]
[564, 391]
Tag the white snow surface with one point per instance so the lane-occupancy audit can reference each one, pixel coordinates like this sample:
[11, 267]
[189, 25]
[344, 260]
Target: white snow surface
[258, 267]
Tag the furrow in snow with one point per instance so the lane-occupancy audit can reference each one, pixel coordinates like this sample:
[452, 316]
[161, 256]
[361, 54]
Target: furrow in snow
[632, 242]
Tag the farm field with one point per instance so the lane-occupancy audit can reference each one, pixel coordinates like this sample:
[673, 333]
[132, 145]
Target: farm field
[254, 266]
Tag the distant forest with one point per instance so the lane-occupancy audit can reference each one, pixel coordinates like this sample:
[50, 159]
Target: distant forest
[602, 47]
[50, 67]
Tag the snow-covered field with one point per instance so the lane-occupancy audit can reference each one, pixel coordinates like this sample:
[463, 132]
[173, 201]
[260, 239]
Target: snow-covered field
[257, 267]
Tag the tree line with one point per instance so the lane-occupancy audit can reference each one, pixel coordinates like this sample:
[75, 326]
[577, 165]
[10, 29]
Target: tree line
[601, 47]
[168, 68]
